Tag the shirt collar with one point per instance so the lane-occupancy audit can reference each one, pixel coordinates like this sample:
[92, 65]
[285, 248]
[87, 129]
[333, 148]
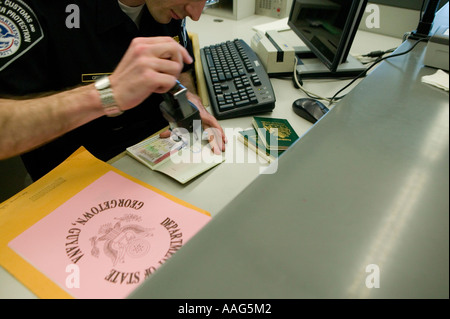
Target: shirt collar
[109, 15]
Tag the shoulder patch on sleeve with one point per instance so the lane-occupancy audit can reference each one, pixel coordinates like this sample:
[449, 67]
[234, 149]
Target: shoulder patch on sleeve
[20, 30]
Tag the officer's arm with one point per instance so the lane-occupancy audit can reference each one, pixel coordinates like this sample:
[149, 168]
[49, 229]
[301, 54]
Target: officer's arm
[26, 124]
[150, 65]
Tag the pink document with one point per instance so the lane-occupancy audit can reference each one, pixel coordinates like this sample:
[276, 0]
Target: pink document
[106, 240]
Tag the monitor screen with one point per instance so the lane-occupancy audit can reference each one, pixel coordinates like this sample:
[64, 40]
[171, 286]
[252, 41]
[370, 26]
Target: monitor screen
[327, 27]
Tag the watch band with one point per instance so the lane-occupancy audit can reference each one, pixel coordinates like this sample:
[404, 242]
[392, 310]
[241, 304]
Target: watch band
[110, 106]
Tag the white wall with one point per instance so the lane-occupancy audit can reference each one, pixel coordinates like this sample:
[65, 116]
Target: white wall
[393, 21]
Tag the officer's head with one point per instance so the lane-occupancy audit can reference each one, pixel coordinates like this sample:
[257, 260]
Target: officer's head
[164, 11]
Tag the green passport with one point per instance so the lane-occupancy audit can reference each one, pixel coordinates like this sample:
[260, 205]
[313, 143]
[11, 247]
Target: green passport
[276, 134]
[250, 139]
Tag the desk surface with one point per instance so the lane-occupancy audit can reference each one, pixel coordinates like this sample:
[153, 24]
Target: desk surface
[324, 215]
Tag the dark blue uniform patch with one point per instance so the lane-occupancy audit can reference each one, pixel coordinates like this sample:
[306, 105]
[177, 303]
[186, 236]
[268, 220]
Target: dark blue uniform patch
[19, 30]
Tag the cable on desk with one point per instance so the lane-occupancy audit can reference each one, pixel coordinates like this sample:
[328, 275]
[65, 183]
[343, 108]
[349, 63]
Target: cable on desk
[299, 84]
[374, 64]
[310, 94]
[372, 56]
[336, 98]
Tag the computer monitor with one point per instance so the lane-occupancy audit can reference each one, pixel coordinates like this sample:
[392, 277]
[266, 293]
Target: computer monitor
[328, 28]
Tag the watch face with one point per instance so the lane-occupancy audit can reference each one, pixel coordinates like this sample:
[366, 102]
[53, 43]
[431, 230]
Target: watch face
[102, 83]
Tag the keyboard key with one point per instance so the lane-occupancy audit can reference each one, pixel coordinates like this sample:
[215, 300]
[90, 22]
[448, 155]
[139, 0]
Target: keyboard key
[227, 107]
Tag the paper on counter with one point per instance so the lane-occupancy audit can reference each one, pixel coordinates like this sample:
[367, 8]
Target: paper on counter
[439, 79]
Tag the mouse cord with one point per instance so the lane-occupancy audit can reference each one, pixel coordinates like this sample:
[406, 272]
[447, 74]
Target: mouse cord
[336, 98]
[308, 93]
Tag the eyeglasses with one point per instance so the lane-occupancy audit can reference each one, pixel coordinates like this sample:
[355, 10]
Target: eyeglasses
[211, 2]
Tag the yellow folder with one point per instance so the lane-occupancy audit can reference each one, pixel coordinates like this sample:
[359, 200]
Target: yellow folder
[41, 198]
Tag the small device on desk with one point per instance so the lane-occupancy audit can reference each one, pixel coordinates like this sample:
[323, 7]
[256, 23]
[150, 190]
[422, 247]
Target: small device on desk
[277, 56]
[178, 110]
[237, 82]
[309, 109]
[438, 49]
[273, 8]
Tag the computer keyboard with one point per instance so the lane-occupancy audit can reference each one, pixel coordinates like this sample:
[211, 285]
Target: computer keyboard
[237, 82]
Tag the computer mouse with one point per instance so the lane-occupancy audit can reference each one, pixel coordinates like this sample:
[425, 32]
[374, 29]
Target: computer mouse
[309, 109]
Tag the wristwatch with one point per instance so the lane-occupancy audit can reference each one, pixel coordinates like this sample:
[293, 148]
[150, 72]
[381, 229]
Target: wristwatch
[110, 106]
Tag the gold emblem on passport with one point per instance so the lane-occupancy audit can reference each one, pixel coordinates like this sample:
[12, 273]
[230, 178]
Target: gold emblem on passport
[283, 130]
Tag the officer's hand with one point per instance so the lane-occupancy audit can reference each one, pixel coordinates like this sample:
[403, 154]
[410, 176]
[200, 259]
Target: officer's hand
[150, 65]
[214, 132]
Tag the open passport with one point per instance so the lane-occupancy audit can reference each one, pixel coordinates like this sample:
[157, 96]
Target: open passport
[180, 159]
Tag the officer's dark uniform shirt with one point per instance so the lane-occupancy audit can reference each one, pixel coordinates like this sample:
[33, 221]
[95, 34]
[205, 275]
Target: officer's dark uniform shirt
[66, 57]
